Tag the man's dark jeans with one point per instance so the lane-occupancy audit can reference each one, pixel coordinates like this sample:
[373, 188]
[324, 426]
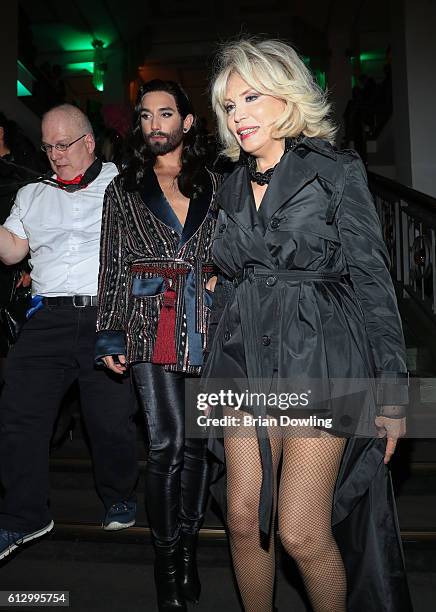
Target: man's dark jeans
[55, 348]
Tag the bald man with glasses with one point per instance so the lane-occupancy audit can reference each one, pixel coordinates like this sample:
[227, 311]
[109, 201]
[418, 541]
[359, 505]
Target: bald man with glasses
[59, 146]
[58, 224]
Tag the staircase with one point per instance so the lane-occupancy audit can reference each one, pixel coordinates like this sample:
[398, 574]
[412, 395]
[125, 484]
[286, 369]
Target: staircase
[113, 570]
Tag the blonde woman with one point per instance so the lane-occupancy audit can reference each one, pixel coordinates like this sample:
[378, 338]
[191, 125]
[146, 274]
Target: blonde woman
[299, 238]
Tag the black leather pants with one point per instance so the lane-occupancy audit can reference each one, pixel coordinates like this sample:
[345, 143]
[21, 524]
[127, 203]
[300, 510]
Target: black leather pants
[176, 481]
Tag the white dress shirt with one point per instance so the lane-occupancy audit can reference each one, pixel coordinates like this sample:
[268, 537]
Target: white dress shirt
[63, 230]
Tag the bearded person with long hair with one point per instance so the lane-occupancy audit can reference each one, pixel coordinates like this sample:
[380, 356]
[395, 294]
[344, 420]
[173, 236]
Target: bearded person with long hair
[158, 221]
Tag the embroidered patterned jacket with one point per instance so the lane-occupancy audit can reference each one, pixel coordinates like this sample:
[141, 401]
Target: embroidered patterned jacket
[152, 301]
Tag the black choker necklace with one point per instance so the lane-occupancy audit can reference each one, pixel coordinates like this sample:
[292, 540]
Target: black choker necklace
[263, 178]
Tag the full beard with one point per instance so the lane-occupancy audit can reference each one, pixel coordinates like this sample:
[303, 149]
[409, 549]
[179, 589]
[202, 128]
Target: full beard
[173, 140]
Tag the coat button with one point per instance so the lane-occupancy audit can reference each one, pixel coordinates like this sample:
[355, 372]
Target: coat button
[227, 335]
[222, 228]
[271, 281]
[266, 340]
[274, 223]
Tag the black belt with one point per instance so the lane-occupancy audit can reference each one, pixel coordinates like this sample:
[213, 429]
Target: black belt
[75, 301]
[271, 276]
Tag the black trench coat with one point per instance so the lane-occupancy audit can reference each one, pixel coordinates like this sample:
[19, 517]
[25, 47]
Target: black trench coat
[312, 296]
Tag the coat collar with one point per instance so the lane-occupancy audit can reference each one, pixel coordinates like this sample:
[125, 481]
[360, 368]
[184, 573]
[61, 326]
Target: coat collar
[236, 198]
[153, 197]
[198, 207]
[290, 176]
[321, 146]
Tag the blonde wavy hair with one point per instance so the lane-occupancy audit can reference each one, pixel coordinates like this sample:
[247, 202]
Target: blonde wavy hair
[273, 68]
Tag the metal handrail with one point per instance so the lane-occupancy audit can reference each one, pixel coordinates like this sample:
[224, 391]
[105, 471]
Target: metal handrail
[408, 219]
[402, 191]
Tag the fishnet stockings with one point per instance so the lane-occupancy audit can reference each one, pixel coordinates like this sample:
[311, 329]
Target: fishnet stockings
[254, 566]
[309, 471]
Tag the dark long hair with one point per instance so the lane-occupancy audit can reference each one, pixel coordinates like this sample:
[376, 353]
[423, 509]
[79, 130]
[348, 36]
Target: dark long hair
[138, 156]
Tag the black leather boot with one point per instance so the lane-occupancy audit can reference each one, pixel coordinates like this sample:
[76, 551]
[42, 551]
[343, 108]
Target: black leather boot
[169, 593]
[188, 576]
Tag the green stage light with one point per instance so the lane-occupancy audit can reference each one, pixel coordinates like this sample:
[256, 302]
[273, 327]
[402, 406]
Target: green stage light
[58, 36]
[80, 67]
[372, 56]
[100, 66]
[25, 80]
[76, 42]
[369, 56]
[22, 90]
[71, 40]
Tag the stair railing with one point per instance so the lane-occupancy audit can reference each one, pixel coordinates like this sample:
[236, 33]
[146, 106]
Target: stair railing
[408, 219]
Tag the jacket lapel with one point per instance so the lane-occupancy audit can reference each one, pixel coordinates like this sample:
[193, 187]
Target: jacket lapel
[290, 176]
[198, 209]
[153, 197]
[236, 198]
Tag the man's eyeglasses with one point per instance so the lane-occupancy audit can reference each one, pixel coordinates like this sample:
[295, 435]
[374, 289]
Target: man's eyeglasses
[60, 146]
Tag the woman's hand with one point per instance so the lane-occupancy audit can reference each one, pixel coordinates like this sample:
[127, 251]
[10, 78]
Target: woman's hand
[116, 363]
[392, 429]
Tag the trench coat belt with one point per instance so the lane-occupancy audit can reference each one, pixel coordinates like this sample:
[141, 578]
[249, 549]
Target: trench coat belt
[252, 272]
[249, 307]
